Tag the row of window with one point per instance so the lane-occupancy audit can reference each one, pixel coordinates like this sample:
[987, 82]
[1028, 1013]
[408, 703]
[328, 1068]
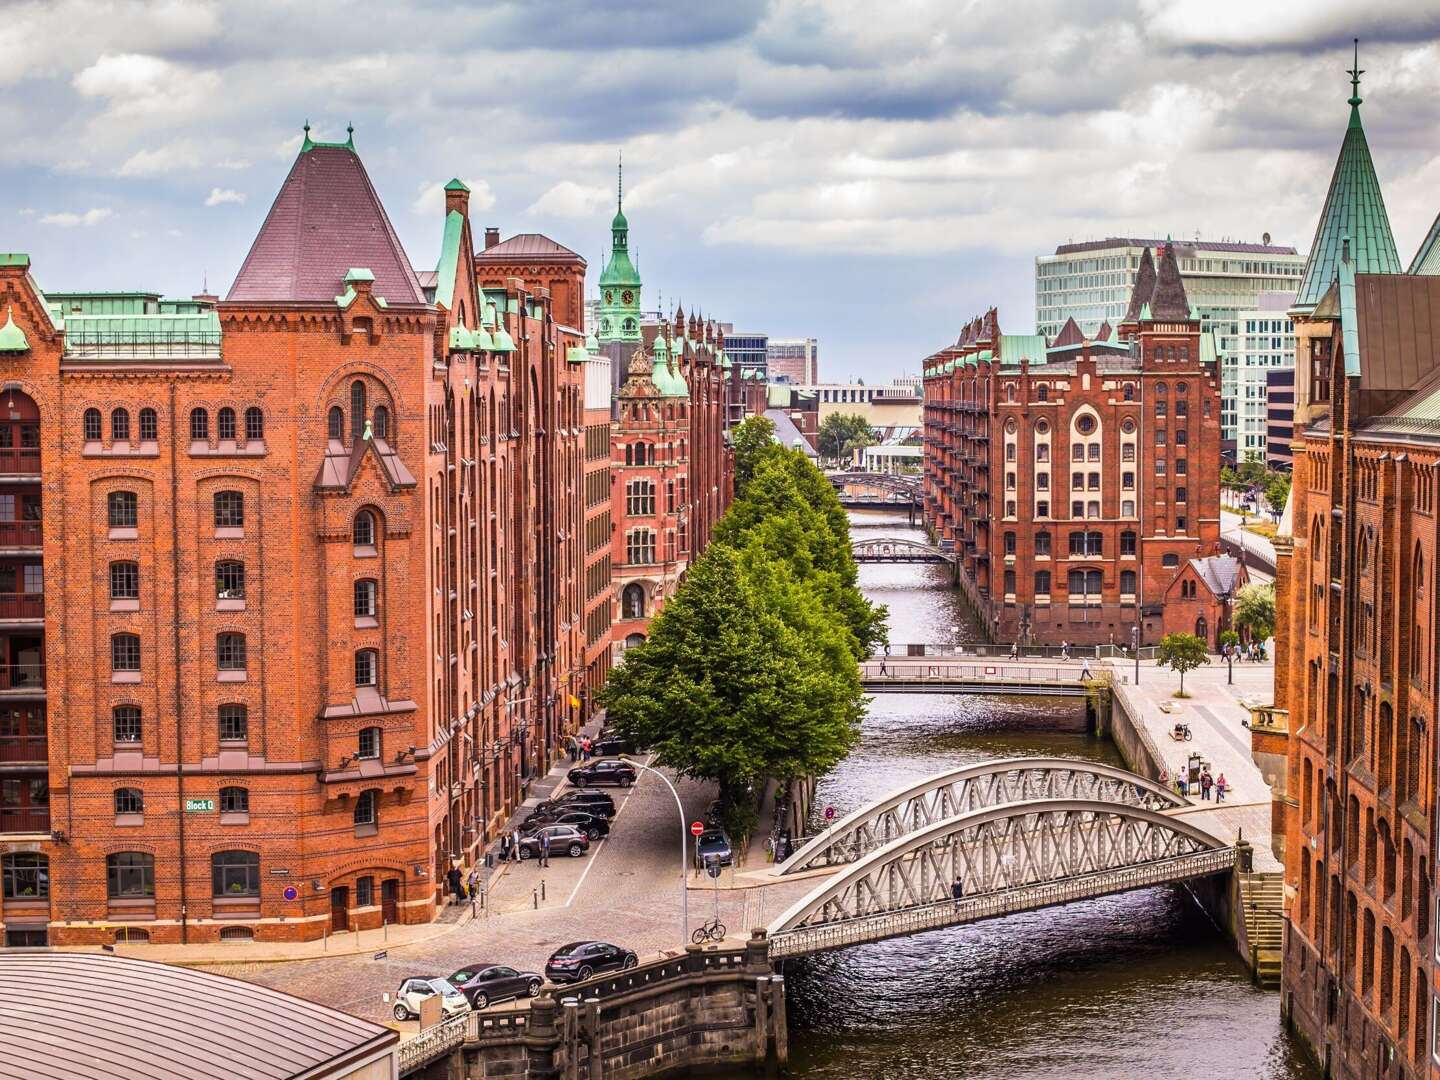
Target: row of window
[226, 425]
[229, 584]
[1079, 582]
[231, 651]
[122, 509]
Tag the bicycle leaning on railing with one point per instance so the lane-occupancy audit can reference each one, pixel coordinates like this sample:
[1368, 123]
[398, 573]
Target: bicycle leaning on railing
[714, 930]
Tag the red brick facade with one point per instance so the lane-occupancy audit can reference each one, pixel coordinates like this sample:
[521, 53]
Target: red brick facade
[1075, 479]
[330, 577]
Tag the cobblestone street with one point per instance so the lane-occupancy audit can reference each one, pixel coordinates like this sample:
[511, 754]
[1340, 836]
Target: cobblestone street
[625, 890]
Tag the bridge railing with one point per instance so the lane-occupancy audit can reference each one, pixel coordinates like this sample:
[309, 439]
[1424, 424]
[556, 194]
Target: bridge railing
[904, 650]
[810, 939]
[903, 672]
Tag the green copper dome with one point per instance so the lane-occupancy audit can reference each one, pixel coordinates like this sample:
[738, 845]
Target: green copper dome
[12, 338]
[667, 379]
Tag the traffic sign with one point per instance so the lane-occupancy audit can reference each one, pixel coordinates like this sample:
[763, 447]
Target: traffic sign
[829, 813]
[696, 828]
[712, 867]
[290, 892]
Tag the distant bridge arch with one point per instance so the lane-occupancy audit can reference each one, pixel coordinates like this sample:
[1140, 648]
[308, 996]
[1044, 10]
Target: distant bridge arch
[889, 549]
[1012, 857]
[972, 787]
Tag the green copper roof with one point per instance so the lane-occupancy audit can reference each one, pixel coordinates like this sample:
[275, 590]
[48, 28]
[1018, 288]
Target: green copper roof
[659, 347]
[456, 185]
[359, 273]
[483, 341]
[1017, 347]
[1354, 208]
[310, 144]
[461, 339]
[1145, 312]
[1208, 351]
[576, 354]
[592, 343]
[12, 338]
[445, 271]
[502, 340]
[15, 258]
[620, 270]
[667, 379]
[1427, 259]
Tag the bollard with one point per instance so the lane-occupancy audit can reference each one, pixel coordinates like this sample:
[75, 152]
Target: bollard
[535, 899]
[542, 888]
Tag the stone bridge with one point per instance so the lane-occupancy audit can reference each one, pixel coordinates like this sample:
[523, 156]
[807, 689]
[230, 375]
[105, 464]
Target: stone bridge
[972, 787]
[1011, 857]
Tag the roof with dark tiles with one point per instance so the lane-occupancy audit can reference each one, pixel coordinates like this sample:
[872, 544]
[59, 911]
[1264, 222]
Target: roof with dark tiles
[529, 246]
[1144, 286]
[1169, 301]
[325, 220]
[1070, 334]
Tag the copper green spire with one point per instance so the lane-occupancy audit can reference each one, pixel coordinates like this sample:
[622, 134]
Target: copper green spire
[1354, 208]
[620, 281]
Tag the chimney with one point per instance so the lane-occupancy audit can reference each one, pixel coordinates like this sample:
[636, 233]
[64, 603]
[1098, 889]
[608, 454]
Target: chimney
[492, 236]
[457, 197]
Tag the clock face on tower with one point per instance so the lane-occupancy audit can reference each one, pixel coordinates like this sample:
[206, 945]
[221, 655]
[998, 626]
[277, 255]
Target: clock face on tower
[627, 297]
[609, 297]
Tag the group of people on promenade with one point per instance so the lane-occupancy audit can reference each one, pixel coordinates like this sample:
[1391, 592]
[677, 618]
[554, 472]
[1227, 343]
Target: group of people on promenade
[1253, 651]
[1206, 783]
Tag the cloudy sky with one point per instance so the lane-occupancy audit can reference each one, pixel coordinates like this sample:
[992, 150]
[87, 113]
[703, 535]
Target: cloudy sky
[867, 173]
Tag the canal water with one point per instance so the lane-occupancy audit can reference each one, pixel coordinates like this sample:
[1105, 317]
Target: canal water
[1132, 986]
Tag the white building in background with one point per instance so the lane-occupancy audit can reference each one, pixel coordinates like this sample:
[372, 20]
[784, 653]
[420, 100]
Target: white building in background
[1093, 281]
[892, 459]
[793, 360]
[1266, 342]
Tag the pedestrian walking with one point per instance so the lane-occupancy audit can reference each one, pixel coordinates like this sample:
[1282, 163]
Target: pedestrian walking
[883, 671]
[474, 882]
[545, 849]
[572, 745]
[452, 878]
[1064, 650]
[1220, 787]
[585, 748]
[1206, 783]
[1085, 671]
[1015, 650]
[957, 891]
[514, 847]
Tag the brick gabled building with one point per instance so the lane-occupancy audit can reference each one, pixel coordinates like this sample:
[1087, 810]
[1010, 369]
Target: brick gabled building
[1074, 479]
[1350, 746]
[317, 551]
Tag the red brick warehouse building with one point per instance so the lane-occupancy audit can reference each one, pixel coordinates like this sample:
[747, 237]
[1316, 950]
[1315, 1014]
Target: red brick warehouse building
[319, 553]
[1078, 480]
[1358, 628]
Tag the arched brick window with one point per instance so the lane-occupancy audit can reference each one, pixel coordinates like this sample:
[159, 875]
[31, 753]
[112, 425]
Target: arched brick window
[363, 530]
[367, 808]
[199, 425]
[335, 424]
[235, 873]
[225, 423]
[357, 408]
[230, 652]
[120, 425]
[125, 652]
[129, 800]
[382, 422]
[254, 424]
[92, 425]
[149, 425]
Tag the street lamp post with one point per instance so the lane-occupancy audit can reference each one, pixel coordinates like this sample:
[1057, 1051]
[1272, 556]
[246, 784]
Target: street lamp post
[1135, 642]
[684, 847]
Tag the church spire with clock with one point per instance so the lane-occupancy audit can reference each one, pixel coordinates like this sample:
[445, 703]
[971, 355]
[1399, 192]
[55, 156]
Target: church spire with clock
[620, 283]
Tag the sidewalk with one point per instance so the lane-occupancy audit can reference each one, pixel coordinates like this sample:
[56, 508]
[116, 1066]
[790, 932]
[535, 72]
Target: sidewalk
[362, 942]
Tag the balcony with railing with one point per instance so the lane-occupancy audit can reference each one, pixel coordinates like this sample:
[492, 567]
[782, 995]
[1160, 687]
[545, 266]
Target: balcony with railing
[22, 749]
[19, 460]
[24, 819]
[21, 607]
[24, 678]
[21, 534]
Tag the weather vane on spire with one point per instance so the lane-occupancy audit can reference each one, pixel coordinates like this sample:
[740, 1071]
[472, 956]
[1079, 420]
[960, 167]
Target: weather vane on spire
[1355, 73]
[619, 179]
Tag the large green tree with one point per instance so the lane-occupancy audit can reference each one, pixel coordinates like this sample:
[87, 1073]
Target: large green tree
[841, 434]
[739, 679]
[1255, 610]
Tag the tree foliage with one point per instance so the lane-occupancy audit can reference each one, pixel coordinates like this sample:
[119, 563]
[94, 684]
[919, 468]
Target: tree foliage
[740, 678]
[1277, 492]
[1182, 653]
[750, 440]
[1255, 610]
[841, 434]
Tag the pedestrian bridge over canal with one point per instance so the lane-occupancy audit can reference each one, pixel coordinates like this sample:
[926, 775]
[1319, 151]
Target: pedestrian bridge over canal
[1020, 834]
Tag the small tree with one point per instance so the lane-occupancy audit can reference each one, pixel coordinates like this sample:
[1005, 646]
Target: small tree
[841, 434]
[1255, 611]
[1183, 652]
[1277, 493]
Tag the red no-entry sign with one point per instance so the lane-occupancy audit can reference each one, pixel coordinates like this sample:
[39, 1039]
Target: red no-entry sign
[696, 828]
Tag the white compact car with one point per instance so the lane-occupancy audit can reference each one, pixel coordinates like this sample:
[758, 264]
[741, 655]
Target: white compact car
[413, 990]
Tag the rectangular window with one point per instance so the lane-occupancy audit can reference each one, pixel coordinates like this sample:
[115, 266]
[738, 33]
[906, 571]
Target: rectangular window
[1077, 451]
[124, 581]
[1042, 481]
[1042, 451]
[1127, 452]
[1127, 481]
[1077, 481]
[234, 723]
[1180, 466]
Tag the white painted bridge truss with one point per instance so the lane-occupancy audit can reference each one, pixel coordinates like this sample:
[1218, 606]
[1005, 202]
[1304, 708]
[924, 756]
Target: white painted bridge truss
[897, 550]
[973, 787]
[1011, 857]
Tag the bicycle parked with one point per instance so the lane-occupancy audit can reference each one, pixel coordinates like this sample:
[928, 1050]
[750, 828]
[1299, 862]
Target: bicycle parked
[714, 930]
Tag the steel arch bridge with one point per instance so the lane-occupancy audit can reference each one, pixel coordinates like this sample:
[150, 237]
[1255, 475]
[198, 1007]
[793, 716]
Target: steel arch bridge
[887, 549]
[899, 485]
[972, 787]
[1012, 857]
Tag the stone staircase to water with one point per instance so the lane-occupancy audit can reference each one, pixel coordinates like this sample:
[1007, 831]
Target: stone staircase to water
[1263, 898]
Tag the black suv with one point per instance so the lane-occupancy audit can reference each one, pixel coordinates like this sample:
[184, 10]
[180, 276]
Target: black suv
[594, 826]
[588, 802]
[579, 960]
[608, 745]
[603, 772]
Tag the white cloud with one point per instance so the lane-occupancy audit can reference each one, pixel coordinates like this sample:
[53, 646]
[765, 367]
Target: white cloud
[567, 199]
[159, 161]
[136, 85]
[28, 211]
[224, 195]
[431, 199]
[68, 220]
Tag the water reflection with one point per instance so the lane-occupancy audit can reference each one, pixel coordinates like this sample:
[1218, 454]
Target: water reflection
[1120, 987]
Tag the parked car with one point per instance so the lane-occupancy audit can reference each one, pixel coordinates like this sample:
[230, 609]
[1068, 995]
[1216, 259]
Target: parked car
[486, 983]
[418, 987]
[594, 826]
[714, 844]
[590, 802]
[581, 959]
[564, 840]
[610, 745]
[608, 771]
